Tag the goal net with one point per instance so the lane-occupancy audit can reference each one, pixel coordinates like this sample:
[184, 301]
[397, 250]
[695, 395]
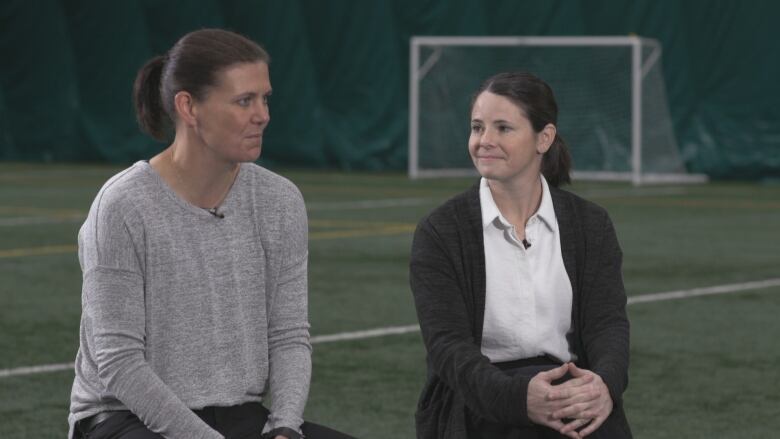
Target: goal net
[612, 106]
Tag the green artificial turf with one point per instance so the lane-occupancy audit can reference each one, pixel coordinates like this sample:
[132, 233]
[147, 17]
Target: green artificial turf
[701, 367]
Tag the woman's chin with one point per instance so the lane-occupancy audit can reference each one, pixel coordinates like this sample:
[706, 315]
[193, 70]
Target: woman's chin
[252, 154]
[488, 172]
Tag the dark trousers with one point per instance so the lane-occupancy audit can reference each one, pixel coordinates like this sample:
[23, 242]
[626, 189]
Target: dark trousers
[236, 422]
[480, 428]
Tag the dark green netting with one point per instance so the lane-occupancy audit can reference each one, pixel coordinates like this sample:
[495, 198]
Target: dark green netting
[340, 72]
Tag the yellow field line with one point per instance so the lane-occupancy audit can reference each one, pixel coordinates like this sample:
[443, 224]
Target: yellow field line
[398, 229]
[694, 203]
[38, 251]
[381, 231]
[41, 210]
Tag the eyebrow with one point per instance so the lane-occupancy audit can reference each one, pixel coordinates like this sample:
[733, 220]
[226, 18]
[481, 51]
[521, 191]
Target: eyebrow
[252, 94]
[494, 122]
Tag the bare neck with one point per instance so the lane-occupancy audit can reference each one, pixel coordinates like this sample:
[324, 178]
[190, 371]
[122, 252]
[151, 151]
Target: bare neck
[195, 173]
[517, 199]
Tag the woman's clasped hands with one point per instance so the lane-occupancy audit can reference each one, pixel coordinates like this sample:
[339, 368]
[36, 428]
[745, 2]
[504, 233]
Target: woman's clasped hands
[582, 401]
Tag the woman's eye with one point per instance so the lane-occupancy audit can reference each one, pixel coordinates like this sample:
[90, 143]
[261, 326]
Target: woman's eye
[244, 102]
[503, 128]
[476, 128]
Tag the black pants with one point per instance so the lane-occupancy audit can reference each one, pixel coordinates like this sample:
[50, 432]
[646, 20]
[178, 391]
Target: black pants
[236, 422]
[480, 428]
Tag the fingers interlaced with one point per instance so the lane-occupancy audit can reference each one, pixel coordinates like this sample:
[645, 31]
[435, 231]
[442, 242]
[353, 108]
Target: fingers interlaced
[596, 423]
[581, 403]
[573, 425]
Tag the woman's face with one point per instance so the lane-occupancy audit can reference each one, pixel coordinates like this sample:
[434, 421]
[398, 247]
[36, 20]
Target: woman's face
[231, 119]
[503, 145]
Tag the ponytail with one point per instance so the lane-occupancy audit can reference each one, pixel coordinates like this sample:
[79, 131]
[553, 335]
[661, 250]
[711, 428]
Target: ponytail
[556, 163]
[149, 109]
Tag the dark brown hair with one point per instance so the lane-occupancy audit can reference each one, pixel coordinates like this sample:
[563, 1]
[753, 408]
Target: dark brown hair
[191, 65]
[535, 98]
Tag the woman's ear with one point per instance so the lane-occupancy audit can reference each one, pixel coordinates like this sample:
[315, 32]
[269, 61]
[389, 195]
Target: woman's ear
[545, 138]
[185, 108]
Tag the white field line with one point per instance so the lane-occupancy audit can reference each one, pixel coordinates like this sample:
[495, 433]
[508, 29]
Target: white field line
[31, 370]
[706, 291]
[392, 330]
[369, 333]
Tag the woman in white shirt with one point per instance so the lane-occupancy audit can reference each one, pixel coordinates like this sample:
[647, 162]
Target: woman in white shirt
[518, 287]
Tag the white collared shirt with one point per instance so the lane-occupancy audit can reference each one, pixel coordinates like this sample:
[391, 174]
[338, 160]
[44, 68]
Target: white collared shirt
[528, 296]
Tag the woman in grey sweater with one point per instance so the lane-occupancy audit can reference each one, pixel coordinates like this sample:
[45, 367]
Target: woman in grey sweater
[518, 287]
[195, 265]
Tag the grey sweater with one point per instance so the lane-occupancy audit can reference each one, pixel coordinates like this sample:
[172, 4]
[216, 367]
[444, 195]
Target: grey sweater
[182, 309]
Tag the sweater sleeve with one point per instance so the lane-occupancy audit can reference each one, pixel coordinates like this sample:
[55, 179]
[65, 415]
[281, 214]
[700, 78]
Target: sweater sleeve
[605, 327]
[113, 302]
[289, 348]
[446, 329]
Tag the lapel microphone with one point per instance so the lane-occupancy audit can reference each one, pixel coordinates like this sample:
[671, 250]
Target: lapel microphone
[214, 212]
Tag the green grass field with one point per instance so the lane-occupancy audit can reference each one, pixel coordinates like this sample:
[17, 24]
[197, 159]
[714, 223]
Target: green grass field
[701, 367]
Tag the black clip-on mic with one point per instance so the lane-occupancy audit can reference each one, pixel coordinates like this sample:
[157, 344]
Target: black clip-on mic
[214, 212]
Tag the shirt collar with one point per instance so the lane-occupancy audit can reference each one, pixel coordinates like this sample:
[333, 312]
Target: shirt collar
[546, 211]
[490, 212]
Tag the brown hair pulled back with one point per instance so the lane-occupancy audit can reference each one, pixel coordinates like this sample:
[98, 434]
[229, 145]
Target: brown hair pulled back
[191, 65]
[537, 101]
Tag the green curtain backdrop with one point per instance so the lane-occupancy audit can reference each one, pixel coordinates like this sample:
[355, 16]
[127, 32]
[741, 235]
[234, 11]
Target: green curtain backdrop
[340, 72]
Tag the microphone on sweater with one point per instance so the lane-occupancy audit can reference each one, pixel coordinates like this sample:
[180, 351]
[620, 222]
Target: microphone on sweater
[526, 244]
[214, 212]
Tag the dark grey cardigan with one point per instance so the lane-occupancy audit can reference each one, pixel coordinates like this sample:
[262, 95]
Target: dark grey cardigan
[447, 276]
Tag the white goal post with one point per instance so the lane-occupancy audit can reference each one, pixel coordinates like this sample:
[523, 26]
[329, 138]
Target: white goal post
[613, 111]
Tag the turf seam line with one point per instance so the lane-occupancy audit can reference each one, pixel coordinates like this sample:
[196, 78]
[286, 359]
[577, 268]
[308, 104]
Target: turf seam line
[369, 204]
[315, 206]
[396, 330]
[363, 204]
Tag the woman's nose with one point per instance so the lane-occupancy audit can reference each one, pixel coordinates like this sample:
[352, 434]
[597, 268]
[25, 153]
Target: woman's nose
[262, 115]
[486, 139]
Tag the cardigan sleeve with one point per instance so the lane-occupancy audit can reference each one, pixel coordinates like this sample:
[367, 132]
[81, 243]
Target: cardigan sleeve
[444, 319]
[605, 327]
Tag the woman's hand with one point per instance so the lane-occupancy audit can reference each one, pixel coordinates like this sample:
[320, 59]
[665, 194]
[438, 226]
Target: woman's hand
[541, 406]
[585, 399]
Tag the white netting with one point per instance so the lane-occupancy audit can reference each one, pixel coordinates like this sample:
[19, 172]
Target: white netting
[593, 88]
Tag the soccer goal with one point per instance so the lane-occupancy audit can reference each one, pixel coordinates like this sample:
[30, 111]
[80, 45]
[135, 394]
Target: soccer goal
[613, 111]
